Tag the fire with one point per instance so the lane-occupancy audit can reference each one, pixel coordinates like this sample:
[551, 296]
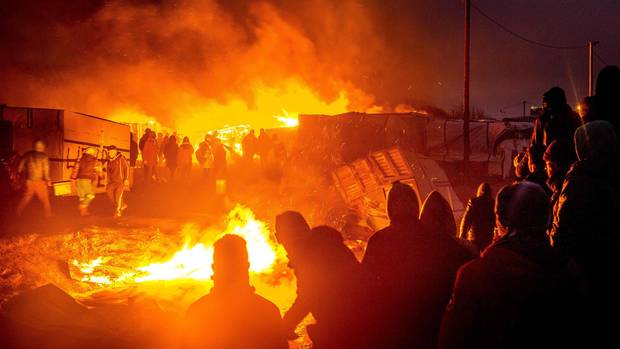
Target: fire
[192, 261]
[288, 120]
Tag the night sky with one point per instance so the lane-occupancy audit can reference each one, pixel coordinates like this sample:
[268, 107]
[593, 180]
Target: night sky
[397, 51]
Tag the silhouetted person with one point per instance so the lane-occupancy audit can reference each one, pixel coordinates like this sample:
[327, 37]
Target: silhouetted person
[520, 293]
[133, 150]
[327, 282]
[558, 160]
[171, 151]
[536, 167]
[587, 216]
[232, 316]
[557, 121]
[605, 104]
[85, 173]
[408, 274]
[204, 156]
[149, 157]
[36, 169]
[220, 167]
[437, 217]
[249, 144]
[478, 221]
[143, 139]
[118, 177]
[264, 146]
[184, 158]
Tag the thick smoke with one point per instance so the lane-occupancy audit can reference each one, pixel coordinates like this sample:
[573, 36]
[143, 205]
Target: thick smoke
[179, 59]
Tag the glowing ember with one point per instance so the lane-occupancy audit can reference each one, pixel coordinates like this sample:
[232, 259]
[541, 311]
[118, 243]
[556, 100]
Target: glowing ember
[193, 262]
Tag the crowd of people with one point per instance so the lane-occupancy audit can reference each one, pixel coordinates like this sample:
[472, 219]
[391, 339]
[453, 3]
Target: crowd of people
[211, 157]
[533, 266]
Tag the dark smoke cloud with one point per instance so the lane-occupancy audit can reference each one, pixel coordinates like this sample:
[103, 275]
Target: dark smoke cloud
[175, 58]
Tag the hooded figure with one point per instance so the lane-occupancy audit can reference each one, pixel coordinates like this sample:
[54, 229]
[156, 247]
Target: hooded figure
[520, 293]
[327, 282]
[478, 221]
[408, 274]
[587, 216]
[605, 104]
[558, 121]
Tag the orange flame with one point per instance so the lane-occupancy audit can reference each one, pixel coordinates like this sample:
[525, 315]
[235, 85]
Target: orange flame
[193, 262]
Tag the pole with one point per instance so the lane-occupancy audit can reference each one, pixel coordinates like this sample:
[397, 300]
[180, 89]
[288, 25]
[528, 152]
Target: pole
[591, 45]
[466, 147]
[524, 102]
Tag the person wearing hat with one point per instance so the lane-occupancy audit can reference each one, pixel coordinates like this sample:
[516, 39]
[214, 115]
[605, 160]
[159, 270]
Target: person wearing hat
[85, 173]
[36, 166]
[118, 178]
[520, 293]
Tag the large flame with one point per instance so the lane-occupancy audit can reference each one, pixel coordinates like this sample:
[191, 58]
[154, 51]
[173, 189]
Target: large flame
[270, 107]
[192, 261]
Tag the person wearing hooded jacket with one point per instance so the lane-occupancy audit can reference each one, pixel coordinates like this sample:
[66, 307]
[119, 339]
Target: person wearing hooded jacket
[408, 273]
[558, 121]
[605, 104]
[327, 282]
[478, 221]
[520, 293]
[587, 217]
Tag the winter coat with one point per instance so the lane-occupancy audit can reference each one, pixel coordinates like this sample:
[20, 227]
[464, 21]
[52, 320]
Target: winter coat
[409, 273]
[184, 155]
[233, 319]
[519, 294]
[149, 154]
[85, 168]
[118, 169]
[328, 286]
[171, 153]
[479, 218]
[36, 165]
[555, 125]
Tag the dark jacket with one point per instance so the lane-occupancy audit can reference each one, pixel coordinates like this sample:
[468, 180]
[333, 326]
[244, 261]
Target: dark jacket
[409, 274]
[555, 125]
[479, 218]
[171, 153]
[587, 217]
[118, 170]
[133, 153]
[85, 168]
[233, 320]
[328, 286]
[519, 294]
[36, 165]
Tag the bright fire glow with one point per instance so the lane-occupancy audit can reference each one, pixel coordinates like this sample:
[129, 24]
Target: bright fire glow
[193, 262]
[263, 109]
[288, 120]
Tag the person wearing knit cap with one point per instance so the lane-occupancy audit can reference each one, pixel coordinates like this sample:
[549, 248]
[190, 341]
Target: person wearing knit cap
[520, 293]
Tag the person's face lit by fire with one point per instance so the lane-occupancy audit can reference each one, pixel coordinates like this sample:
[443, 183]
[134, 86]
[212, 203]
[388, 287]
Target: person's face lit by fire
[112, 153]
[551, 168]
